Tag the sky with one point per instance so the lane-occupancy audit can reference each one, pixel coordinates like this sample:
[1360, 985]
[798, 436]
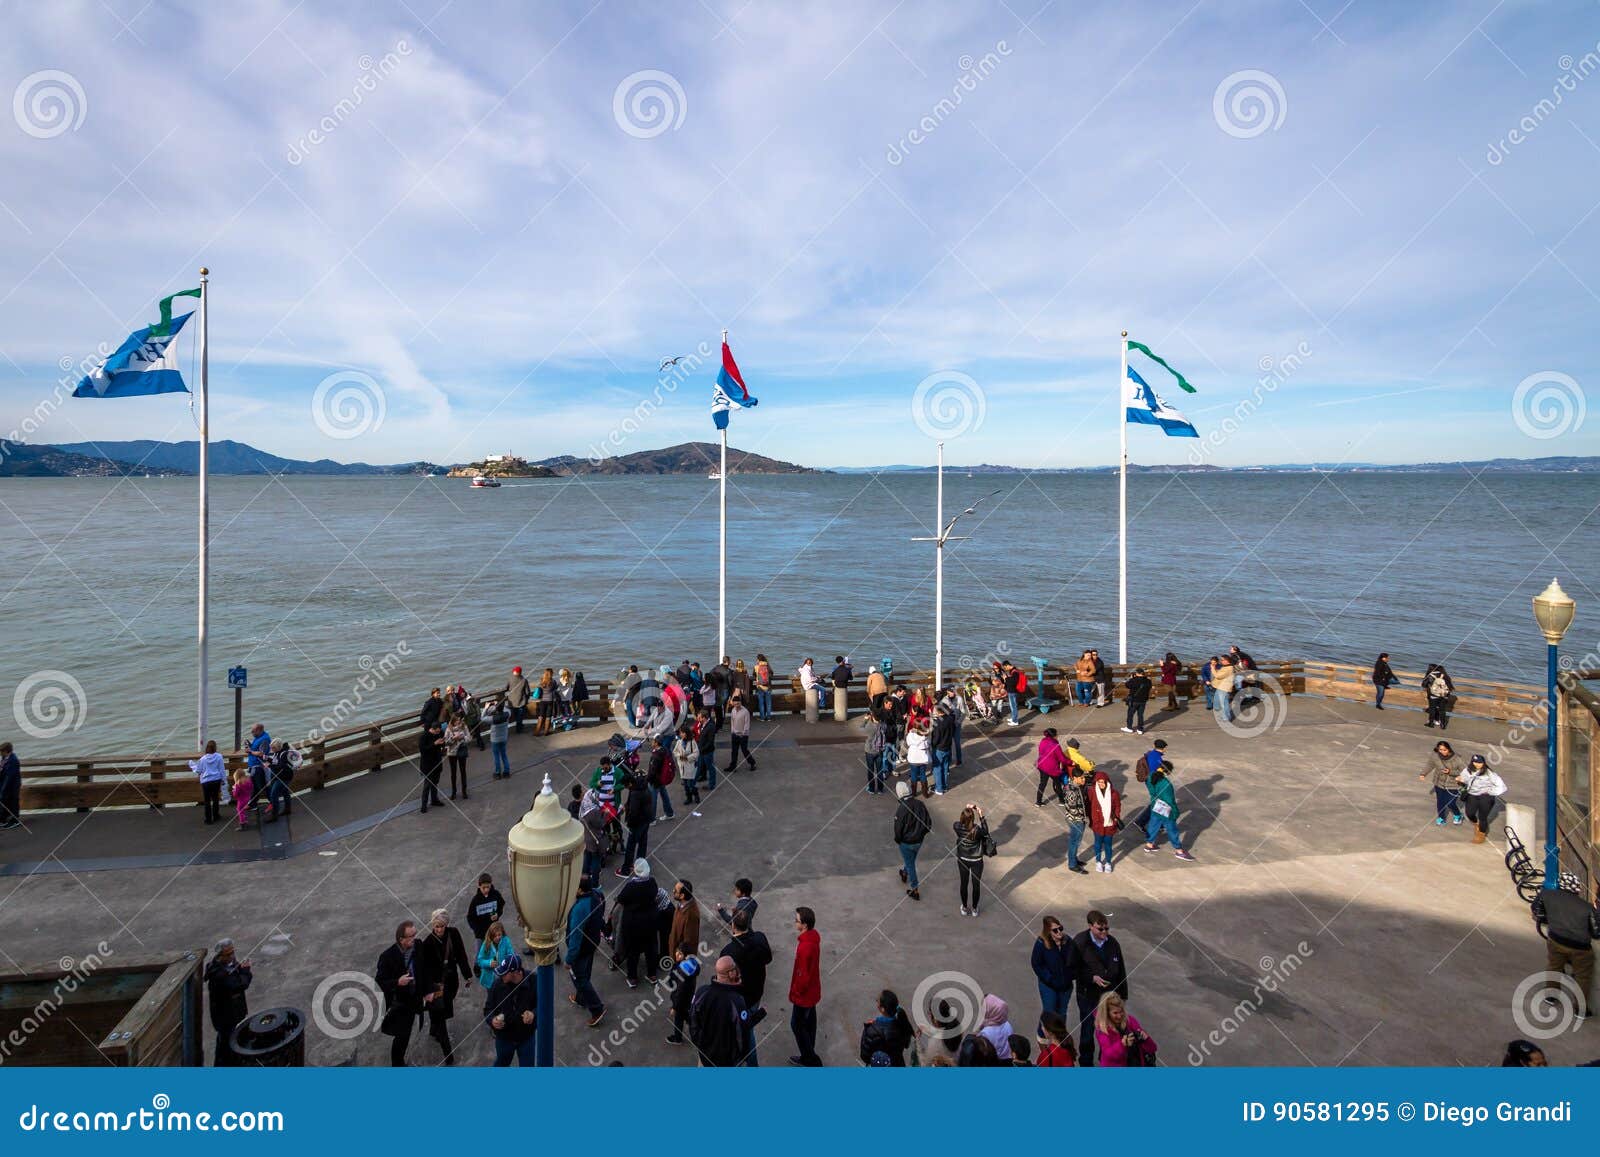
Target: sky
[439, 230]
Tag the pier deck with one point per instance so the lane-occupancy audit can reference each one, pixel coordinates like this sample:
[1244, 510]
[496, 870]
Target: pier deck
[1314, 841]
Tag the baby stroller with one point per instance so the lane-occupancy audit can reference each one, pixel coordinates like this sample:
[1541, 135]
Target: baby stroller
[978, 708]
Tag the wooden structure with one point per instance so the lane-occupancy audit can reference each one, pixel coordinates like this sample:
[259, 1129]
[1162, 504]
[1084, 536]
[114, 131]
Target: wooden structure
[1578, 776]
[369, 748]
[139, 1011]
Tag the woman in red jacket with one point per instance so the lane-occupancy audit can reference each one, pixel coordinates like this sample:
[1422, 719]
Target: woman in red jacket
[1052, 765]
[805, 988]
[1105, 818]
[1169, 679]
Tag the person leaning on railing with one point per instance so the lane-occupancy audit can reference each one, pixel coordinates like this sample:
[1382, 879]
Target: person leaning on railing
[10, 788]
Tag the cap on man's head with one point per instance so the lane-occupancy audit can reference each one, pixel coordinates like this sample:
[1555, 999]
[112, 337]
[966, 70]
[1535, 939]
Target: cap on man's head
[512, 963]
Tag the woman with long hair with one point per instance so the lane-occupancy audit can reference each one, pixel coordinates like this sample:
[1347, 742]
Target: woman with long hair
[1438, 687]
[1444, 767]
[1481, 787]
[442, 965]
[972, 832]
[1053, 968]
[1121, 1042]
[1169, 679]
[889, 1033]
[761, 680]
[496, 947]
[566, 705]
[457, 741]
[545, 693]
[1055, 1043]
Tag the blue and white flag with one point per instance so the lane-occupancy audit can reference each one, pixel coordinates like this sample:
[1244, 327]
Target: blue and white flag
[147, 363]
[1145, 407]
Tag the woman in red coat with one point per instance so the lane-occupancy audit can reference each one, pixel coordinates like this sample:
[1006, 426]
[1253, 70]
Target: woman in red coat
[1105, 818]
[1169, 679]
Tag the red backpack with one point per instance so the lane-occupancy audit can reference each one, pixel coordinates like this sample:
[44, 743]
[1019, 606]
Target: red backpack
[669, 769]
[1022, 680]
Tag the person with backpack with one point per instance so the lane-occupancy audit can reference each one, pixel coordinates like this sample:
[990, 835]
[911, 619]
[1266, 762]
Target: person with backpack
[1480, 789]
[1438, 687]
[1136, 691]
[761, 679]
[1015, 683]
[888, 1035]
[585, 930]
[659, 775]
[911, 826]
[285, 760]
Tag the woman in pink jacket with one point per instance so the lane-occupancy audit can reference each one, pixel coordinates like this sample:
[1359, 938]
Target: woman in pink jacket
[1121, 1042]
[1052, 763]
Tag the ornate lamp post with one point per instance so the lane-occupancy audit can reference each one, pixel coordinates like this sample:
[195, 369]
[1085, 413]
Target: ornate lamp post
[1553, 611]
[545, 853]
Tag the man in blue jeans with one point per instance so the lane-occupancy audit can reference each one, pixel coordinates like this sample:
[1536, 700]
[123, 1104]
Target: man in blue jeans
[499, 720]
[911, 827]
[585, 929]
[509, 1012]
[940, 739]
[1076, 807]
[1012, 679]
[706, 737]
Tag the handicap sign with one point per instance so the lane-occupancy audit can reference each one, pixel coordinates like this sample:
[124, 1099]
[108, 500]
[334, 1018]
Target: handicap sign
[236, 677]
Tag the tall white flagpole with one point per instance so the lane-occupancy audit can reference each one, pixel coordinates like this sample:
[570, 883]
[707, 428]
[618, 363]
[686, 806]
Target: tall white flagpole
[722, 564]
[205, 512]
[1122, 504]
[938, 585]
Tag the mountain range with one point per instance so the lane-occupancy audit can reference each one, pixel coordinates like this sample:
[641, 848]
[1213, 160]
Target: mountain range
[164, 459]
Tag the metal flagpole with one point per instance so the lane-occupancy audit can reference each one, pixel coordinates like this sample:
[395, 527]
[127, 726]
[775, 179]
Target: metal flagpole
[1122, 506]
[205, 511]
[938, 586]
[722, 565]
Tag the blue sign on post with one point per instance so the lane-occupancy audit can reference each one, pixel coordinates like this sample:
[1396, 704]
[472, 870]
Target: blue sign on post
[236, 677]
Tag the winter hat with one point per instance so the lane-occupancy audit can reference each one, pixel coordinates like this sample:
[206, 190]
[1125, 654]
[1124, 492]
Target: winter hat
[641, 869]
[902, 789]
[512, 963]
[516, 670]
[872, 670]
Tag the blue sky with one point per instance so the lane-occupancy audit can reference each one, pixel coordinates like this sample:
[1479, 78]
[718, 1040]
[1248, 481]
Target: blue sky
[494, 240]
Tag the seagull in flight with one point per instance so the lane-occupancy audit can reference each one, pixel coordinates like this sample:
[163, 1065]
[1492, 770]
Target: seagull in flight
[665, 362]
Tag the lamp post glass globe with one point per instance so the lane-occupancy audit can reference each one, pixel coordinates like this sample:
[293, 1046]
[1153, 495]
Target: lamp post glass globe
[1553, 610]
[544, 850]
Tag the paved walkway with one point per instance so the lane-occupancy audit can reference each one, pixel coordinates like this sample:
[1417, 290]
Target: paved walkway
[1326, 921]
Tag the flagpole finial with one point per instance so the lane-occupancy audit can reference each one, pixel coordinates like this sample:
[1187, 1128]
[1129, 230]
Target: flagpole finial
[204, 272]
[1124, 333]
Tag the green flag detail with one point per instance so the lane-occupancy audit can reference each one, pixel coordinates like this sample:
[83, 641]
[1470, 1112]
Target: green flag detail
[1183, 382]
[164, 326]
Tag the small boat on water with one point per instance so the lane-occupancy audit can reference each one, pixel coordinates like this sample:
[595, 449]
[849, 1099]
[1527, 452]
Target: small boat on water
[479, 482]
[714, 476]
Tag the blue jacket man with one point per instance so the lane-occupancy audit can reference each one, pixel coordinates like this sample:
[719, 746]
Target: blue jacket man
[585, 928]
[10, 788]
[260, 748]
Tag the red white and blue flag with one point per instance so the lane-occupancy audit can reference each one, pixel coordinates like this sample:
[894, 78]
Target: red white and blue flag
[730, 392]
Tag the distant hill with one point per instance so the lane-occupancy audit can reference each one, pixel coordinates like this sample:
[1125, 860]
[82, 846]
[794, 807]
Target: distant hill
[1553, 465]
[700, 458]
[229, 457]
[18, 460]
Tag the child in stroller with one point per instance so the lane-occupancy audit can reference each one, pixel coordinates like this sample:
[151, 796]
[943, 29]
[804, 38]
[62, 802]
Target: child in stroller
[977, 704]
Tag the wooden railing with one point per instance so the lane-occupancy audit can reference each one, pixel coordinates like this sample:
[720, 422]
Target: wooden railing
[158, 780]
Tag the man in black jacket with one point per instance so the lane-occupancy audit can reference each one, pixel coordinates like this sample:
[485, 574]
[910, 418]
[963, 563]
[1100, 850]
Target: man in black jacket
[1570, 926]
[484, 906]
[1097, 968]
[1138, 692]
[720, 679]
[639, 812]
[1382, 678]
[430, 751]
[841, 675]
[227, 978]
[402, 998]
[911, 826]
[751, 953]
[1102, 680]
[719, 1020]
[511, 1014]
[941, 738]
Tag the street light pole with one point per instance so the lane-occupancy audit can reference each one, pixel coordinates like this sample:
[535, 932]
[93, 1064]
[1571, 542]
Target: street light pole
[1553, 611]
[939, 540]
